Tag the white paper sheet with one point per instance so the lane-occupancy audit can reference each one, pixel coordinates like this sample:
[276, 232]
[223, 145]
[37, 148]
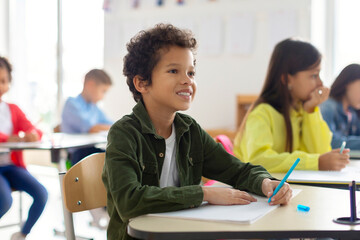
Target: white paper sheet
[243, 214]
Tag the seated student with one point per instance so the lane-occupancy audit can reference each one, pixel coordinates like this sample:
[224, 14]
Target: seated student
[340, 110]
[13, 173]
[82, 115]
[285, 122]
[155, 156]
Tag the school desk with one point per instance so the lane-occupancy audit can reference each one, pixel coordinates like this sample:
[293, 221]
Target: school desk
[284, 222]
[57, 144]
[333, 179]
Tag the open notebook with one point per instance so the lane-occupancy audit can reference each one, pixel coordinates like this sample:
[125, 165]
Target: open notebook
[243, 214]
[354, 154]
[345, 176]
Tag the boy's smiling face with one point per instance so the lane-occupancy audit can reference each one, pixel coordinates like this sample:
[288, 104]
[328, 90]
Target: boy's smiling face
[173, 86]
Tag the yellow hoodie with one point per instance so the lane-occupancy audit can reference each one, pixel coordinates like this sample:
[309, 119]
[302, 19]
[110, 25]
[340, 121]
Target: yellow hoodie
[263, 141]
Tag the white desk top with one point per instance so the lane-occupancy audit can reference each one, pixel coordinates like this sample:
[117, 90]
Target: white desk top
[58, 141]
[324, 178]
[325, 205]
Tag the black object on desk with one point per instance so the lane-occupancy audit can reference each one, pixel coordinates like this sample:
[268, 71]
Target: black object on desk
[353, 219]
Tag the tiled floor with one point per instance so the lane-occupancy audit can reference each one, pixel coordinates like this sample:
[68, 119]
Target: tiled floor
[52, 217]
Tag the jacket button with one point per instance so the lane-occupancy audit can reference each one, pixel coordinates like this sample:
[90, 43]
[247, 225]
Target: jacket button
[161, 155]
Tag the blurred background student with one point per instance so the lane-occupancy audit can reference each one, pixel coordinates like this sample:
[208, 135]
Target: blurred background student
[82, 115]
[15, 127]
[285, 121]
[340, 111]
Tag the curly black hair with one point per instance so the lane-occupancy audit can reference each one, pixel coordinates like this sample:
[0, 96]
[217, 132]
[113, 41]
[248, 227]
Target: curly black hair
[4, 63]
[144, 52]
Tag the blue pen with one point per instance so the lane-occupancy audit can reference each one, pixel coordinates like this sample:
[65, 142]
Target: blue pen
[284, 179]
[342, 146]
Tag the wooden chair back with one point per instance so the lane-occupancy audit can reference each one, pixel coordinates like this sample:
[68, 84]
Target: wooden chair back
[83, 188]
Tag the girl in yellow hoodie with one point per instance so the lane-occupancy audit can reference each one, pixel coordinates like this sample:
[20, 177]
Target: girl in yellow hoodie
[285, 123]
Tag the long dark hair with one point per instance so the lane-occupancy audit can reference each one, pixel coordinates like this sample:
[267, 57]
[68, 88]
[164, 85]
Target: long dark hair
[290, 56]
[348, 75]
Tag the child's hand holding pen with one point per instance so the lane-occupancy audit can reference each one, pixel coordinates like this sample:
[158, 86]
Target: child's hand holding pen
[282, 197]
[335, 160]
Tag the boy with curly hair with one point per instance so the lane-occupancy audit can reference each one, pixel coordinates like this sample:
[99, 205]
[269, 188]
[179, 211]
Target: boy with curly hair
[156, 156]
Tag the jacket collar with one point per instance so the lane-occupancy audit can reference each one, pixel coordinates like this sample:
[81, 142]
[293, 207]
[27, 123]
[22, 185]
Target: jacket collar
[182, 122]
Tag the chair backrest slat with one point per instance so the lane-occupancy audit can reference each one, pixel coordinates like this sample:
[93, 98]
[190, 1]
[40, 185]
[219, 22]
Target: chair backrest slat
[82, 185]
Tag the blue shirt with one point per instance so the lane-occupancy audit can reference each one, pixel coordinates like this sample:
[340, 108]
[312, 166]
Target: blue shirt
[338, 122]
[79, 116]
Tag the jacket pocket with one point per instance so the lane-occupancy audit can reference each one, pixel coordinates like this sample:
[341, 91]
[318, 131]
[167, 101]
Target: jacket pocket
[195, 166]
[149, 173]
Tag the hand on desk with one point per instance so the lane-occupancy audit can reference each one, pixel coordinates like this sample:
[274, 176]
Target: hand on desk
[24, 137]
[282, 197]
[334, 160]
[99, 127]
[226, 196]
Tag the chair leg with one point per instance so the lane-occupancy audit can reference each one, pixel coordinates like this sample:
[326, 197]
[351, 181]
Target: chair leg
[20, 208]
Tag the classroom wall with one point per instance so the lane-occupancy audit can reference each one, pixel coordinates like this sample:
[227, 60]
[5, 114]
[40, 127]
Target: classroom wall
[235, 39]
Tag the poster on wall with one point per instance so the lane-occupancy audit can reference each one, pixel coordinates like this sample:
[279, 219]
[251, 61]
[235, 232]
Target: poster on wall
[240, 34]
[210, 35]
[282, 24]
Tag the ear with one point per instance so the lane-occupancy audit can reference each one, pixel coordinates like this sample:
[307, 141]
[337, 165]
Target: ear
[89, 83]
[287, 80]
[140, 85]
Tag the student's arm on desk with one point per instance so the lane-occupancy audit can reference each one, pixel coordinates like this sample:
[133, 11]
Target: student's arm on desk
[99, 128]
[229, 196]
[260, 148]
[334, 160]
[23, 124]
[238, 174]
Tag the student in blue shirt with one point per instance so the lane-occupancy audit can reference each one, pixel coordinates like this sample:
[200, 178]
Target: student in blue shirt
[340, 110]
[82, 115]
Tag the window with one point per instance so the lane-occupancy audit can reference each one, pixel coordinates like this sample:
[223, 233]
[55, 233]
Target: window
[347, 35]
[33, 53]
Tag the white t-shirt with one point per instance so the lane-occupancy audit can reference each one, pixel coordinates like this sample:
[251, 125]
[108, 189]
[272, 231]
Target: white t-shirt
[6, 127]
[169, 173]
